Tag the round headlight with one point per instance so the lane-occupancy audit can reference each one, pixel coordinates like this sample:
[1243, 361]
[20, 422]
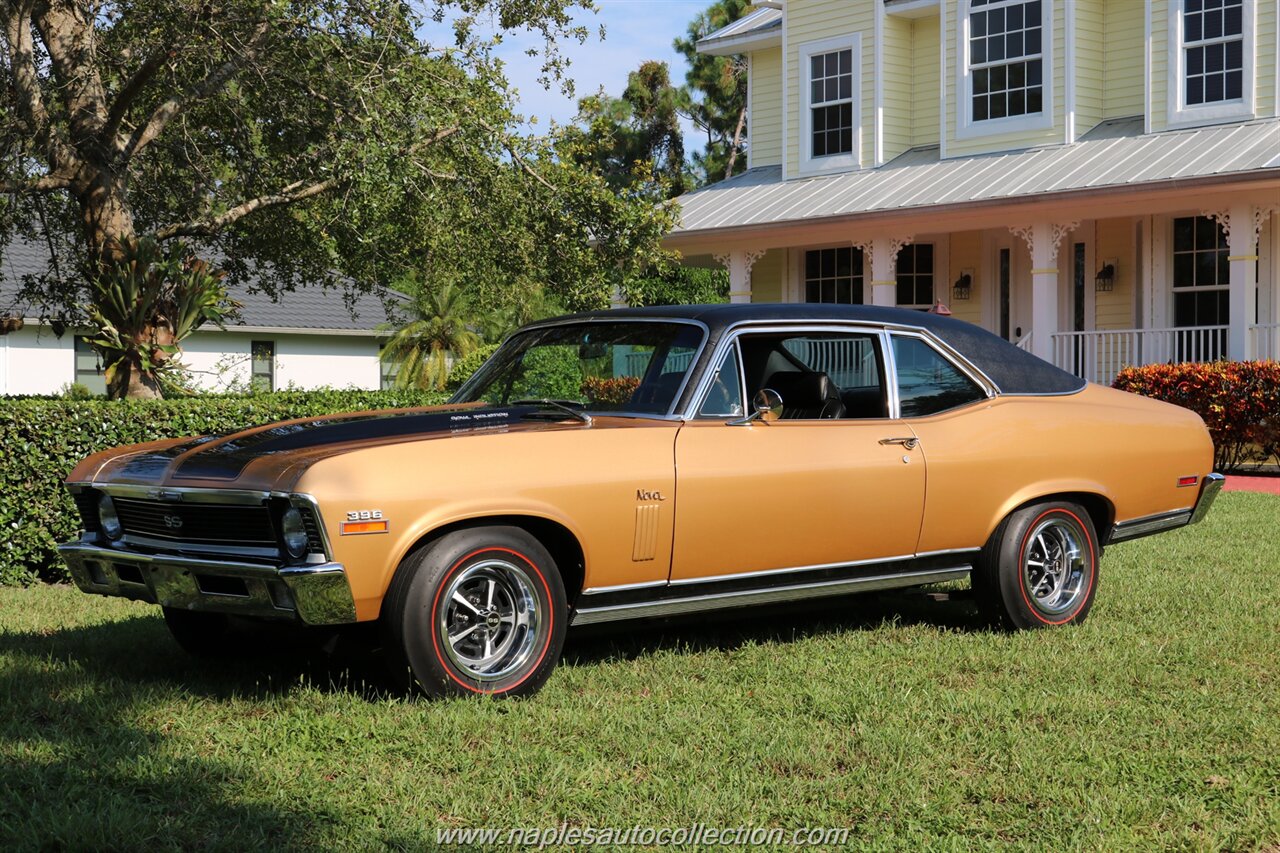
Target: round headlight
[107, 518]
[293, 532]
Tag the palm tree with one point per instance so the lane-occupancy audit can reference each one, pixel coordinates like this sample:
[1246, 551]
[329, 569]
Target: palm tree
[441, 329]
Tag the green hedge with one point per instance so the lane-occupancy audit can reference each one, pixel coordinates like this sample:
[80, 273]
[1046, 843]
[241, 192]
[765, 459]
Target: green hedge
[1238, 400]
[42, 439]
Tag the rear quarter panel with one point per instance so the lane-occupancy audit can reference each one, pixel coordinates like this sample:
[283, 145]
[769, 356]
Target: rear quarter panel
[986, 460]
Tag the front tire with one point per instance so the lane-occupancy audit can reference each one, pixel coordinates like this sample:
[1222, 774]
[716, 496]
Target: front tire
[477, 612]
[1040, 568]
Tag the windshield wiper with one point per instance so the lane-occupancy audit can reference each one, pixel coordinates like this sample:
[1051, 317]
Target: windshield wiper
[559, 405]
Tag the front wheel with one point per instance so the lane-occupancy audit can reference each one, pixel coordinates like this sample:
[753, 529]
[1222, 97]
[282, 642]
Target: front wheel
[479, 611]
[1040, 568]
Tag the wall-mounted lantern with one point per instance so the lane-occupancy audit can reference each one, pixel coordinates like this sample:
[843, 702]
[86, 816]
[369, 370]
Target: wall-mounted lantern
[1105, 280]
[963, 286]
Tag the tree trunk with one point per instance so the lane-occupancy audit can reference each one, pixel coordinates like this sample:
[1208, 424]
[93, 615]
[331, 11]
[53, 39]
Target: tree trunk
[737, 138]
[132, 382]
[105, 216]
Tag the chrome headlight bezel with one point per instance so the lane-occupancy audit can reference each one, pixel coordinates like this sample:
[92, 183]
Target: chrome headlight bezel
[108, 519]
[293, 532]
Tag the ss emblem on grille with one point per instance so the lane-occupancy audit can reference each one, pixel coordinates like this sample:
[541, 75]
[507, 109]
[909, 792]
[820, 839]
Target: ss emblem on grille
[173, 522]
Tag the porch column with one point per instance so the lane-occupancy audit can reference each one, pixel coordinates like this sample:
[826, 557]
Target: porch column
[1242, 224]
[739, 263]
[883, 253]
[1043, 239]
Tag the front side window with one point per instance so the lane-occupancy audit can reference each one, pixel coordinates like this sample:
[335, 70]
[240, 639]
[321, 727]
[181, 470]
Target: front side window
[620, 366]
[1006, 58]
[1213, 51]
[833, 275]
[819, 375]
[915, 276]
[927, 382]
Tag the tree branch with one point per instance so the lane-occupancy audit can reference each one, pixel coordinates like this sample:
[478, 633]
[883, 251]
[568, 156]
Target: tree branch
[131, 88]
[42, 184]
[295, 192]
[163, 114]
[26, 84]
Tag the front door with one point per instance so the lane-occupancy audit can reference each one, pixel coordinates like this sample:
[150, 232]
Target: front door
[833, 482]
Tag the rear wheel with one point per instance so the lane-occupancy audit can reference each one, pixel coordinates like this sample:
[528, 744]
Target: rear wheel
[1040, 567]
[479, 611]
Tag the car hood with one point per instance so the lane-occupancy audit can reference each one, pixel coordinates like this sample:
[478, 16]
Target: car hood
[273, 456]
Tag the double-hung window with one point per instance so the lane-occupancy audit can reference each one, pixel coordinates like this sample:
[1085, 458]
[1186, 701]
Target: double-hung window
[1213, 61]
[1007, 64]
[830, 109]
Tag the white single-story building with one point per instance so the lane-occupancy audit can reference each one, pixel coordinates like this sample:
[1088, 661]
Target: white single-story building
[309, 338]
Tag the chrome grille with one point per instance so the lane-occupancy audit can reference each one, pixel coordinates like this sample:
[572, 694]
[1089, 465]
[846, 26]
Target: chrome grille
[198, 524]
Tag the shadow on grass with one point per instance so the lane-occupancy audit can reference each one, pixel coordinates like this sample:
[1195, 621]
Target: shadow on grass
[87, 766]
[273, 660]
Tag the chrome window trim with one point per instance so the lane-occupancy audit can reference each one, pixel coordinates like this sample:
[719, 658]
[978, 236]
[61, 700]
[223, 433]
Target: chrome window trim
[749, 327]
[669, 414]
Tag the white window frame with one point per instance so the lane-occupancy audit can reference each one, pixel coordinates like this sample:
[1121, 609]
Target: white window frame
[810, 165]
[1182, 115]
[967, 128]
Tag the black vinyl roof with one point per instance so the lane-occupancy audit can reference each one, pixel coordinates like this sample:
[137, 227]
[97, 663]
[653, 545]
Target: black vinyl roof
[1014, 371]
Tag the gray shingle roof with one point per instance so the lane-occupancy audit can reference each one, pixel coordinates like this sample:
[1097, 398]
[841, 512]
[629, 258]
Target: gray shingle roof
[1116, 153]
[305, 308]
[758, 23]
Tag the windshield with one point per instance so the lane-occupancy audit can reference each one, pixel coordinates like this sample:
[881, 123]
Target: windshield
[622, 366]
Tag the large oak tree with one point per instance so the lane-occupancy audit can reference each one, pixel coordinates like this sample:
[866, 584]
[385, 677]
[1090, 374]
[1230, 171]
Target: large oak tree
[298, 141]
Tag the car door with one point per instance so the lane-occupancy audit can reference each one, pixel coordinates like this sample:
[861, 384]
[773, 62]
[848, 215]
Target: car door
[822, 486]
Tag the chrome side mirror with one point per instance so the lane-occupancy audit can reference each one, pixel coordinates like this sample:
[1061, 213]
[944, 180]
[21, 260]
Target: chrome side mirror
[768, 407]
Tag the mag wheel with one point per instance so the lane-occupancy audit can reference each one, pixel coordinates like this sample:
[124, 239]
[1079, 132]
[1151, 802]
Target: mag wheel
[1040, 568]
[479, 611]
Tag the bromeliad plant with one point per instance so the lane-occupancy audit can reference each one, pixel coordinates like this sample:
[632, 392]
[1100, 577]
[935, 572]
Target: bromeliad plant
[146, 301]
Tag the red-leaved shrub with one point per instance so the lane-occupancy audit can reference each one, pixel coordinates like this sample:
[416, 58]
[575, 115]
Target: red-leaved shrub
[614, 391]
[1239, 401]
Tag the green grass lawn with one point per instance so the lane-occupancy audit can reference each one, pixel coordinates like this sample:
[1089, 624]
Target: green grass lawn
[1155, 724]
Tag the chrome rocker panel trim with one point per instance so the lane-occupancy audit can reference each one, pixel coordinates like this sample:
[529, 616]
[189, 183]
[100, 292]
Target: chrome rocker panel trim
[1136, 528]
[317, 594]
[771, 595]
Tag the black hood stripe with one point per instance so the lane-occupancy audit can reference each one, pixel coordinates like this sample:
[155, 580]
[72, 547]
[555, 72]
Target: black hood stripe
[228, 459]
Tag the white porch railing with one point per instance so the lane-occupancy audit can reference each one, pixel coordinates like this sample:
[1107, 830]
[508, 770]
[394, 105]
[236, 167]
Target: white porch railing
[1024, 342]
[1264, 341]
[1099, 356]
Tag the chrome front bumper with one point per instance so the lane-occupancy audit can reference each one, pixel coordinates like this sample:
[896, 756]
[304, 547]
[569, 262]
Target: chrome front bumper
[1209, 487]
[316, 594]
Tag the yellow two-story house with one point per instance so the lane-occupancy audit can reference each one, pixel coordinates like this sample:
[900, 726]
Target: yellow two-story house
[1097, 180]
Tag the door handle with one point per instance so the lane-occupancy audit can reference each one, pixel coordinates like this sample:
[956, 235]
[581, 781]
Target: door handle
[909, 443]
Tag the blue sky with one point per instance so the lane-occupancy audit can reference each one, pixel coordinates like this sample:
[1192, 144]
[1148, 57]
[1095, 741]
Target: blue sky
[635, 31]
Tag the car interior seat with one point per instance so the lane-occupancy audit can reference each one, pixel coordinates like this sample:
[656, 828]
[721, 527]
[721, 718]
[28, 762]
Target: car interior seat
[806, 395]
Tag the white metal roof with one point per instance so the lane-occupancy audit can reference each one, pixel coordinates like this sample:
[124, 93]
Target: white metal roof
[747, 31]
[1114, 154]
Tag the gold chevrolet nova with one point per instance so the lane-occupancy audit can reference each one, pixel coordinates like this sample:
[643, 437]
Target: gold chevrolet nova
[644, 463]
